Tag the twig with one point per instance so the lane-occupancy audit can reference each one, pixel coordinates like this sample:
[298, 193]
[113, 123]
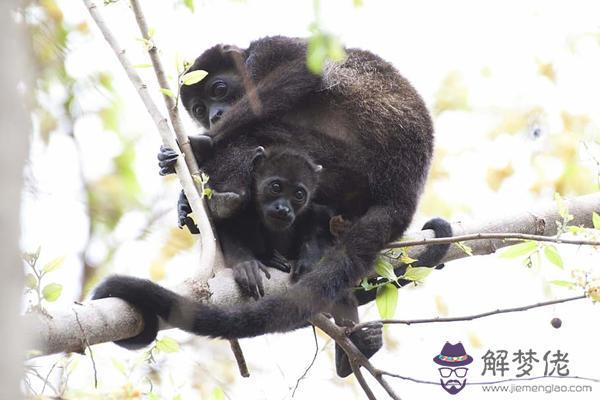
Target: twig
[211, 257]
[239, 357]
[426, 382]
[161, 123]
[469, 317]
[479, 236]
[87, 344]
[312, 362]
[355, 357]
[48, 377]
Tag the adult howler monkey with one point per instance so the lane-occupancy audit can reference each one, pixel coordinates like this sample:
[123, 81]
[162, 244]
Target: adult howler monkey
[376, 174]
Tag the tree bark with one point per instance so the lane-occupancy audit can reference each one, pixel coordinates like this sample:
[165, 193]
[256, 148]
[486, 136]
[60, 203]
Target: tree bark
[15, 130]
[112, 319]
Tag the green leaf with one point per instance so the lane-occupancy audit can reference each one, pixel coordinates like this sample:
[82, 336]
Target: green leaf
[177, 397]
[142, 66]
[207, 192]
[316, 54]
[189, 4]
[417, 274]
[596, 220]
[357, 3]
[152, 396]
[385, 269]
[217, 394]
[31, 281]
[54, 264]
[575, 229]
[193, 77]
[566, 284]
[405, 259]
[52, 291]
[387, 300]
[151, 33]
[466, 249]
[552, 254]
[518, 250]
[167, 345]
[364, 283]
[167, 92]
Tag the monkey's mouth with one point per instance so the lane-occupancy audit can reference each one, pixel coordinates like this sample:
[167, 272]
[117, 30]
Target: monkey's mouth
[278, 223]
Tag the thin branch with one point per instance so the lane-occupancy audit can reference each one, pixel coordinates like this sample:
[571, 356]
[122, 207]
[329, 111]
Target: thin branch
[312, 362]
[211, 257]
[355, 357]
[426, 382]
[87, 345]
[161, 123]
[469, 317]
[480, 236]
[239, 358]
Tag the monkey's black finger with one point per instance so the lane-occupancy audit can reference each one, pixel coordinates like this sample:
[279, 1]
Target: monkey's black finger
[191, 225]
[241, 279]
[258, 279]
[166, 153]
[166, 171]
[265, 270]
[251, 279]
[168, 163]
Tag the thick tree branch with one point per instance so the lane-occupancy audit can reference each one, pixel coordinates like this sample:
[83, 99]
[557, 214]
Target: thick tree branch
[112, 319]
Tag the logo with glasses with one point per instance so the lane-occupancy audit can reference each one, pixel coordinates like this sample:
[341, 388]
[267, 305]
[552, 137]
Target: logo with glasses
[453, 371]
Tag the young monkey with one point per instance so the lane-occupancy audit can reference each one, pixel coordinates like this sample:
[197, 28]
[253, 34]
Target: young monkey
[284, 229]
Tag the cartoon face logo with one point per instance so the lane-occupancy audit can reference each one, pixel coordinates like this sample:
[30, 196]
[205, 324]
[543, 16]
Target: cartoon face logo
[453, 373]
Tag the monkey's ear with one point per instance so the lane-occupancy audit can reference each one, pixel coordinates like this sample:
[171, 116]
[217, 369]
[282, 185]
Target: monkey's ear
[231, 49]
[259, 155]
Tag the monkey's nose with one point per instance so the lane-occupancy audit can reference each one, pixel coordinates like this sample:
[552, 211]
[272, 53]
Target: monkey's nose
[282, 211]
[216, 117]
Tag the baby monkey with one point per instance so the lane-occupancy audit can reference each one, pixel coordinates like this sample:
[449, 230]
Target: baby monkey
[281, 227]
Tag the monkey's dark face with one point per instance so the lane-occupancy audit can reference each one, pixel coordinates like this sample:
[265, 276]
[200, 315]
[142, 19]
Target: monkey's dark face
[211, 98]
[280, 201]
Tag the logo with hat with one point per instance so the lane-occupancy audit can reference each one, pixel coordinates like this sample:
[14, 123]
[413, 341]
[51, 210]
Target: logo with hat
[453, 371]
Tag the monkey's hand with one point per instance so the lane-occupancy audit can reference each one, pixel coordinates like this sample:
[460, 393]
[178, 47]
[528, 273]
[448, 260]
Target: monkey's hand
[338, 225]
[278, 261]
[183, 214]
[248, 276]
[201, 148]
[368, 340]
[167, 158]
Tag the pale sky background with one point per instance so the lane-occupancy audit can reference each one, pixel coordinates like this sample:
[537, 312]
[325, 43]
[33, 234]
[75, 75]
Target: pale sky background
[496, 48]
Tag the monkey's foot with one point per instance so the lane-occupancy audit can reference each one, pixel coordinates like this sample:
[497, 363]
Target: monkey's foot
[368, 340]
[223, 205]
[278, 261]
[183, 214]
[167, 158]
[248, 277]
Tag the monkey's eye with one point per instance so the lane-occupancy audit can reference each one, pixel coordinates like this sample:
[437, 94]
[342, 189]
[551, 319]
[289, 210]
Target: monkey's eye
[300, 195]
[199, 110]
[275, 187]
[218, 89]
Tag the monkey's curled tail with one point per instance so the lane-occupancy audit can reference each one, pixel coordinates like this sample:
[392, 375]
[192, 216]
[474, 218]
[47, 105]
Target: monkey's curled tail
[314, 293]
[277, 313]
